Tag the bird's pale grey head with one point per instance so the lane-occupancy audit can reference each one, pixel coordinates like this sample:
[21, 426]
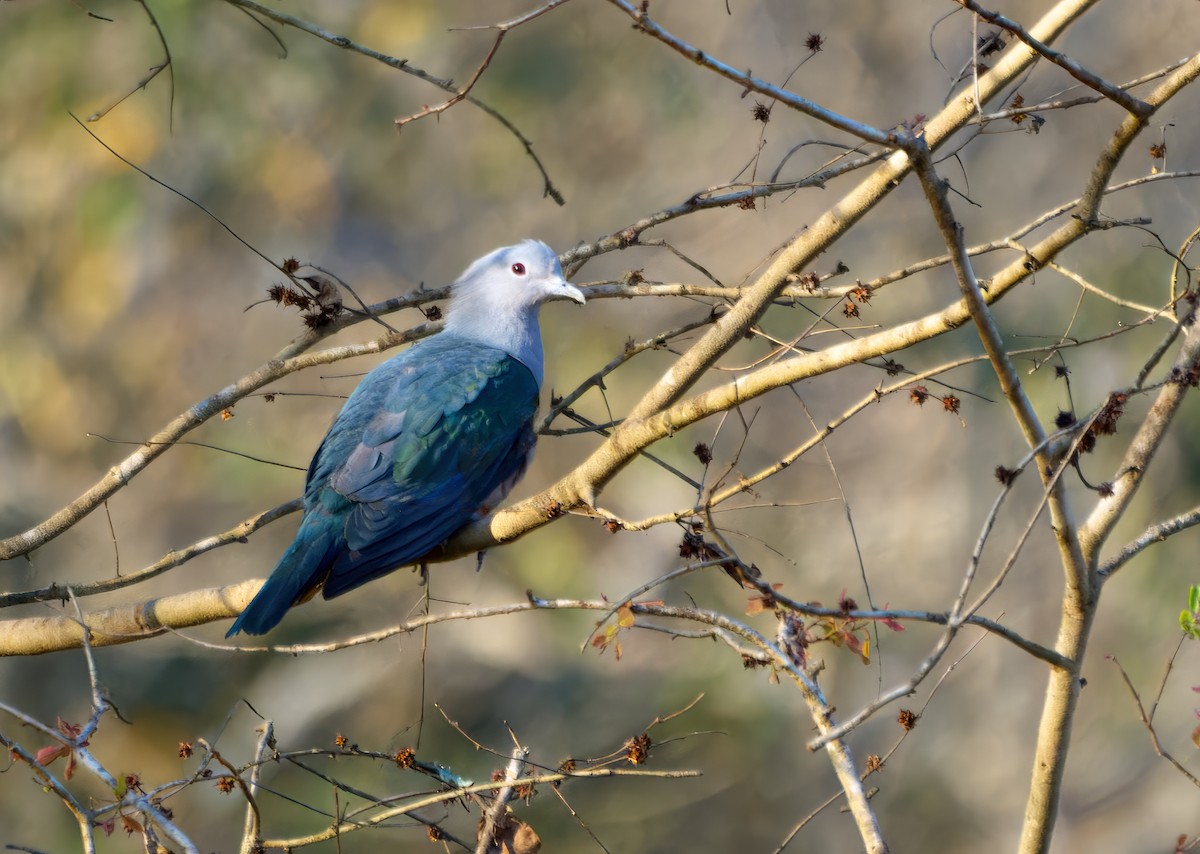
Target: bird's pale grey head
[495, 301]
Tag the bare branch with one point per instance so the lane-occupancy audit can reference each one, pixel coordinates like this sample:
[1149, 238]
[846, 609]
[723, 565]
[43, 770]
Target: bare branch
[1154, 534]
[1143, 447]
[644, 23]
[1087, 78]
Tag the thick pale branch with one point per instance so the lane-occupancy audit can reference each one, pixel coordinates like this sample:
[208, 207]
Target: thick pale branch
[1143, 446]
[125, 623]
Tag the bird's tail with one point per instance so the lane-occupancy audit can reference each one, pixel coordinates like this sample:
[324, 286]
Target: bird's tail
[298, 575]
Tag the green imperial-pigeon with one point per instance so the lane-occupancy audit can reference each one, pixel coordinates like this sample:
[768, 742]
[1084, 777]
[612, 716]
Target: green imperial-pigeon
[430, 440]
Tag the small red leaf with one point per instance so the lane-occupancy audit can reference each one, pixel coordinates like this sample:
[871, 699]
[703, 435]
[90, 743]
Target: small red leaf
[890, 622]
[48, 754]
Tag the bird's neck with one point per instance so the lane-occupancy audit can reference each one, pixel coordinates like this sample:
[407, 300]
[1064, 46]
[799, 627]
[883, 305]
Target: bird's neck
[518, 335]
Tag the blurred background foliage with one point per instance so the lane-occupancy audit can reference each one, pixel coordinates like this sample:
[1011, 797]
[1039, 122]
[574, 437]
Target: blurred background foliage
[123, 305]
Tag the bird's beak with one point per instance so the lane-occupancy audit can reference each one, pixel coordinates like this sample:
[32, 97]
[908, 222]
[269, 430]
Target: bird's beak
[563, 288]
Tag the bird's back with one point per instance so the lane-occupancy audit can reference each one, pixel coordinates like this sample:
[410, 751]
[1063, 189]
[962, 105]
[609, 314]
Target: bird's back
[429, 441]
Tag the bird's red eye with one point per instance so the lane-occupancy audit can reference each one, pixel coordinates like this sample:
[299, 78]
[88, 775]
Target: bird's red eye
[518, 269]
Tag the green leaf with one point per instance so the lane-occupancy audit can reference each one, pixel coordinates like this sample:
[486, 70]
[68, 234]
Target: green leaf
[1187, 622]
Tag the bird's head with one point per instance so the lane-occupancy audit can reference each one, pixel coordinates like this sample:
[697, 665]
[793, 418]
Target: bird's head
[511, 280]
[495, 301]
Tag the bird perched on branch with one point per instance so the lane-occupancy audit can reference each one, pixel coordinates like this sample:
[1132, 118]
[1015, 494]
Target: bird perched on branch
[430, 440]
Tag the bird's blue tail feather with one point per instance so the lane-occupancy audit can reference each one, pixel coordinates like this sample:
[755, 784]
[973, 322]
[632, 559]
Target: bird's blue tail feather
[300, 572]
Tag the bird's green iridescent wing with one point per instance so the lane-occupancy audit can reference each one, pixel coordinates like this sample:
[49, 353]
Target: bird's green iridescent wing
[425, 445]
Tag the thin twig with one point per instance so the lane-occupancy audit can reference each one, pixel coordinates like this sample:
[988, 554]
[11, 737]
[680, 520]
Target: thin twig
[167, 64]
[1148, 720]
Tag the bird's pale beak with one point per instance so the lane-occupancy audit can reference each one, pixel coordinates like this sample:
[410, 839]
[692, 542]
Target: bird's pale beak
[569, 291]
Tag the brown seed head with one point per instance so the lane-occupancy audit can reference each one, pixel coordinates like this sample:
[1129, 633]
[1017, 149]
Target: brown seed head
[1006, 476]
[637, 750]
[405, 758]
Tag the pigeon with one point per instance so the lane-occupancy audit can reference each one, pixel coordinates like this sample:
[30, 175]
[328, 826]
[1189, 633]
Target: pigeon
[430, 440]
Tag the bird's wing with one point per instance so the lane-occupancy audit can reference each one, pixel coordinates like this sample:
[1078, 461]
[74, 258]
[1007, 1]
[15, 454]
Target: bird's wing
[424, 443]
